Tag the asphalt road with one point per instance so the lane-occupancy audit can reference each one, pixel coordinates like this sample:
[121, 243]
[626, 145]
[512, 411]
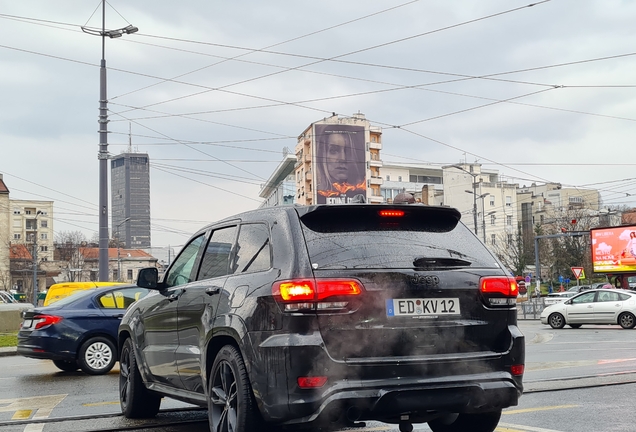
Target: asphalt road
[576, 380]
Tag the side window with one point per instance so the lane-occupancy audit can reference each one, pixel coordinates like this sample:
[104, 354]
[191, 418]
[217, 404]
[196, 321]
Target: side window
[216, 258]
[253, 251]
[121, 299]
[181, 270]
[623, 297]
[584, 298]
[605, 296]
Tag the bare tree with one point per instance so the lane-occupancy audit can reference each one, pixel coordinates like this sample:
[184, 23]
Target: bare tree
[67, 246]
[513, 254]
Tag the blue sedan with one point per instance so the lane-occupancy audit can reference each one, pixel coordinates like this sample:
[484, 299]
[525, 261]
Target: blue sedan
[79, 331]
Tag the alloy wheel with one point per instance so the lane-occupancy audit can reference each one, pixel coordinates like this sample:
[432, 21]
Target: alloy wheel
[98, 355]
[224, 398]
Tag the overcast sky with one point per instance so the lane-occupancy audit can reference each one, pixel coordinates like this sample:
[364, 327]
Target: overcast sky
[214, 91]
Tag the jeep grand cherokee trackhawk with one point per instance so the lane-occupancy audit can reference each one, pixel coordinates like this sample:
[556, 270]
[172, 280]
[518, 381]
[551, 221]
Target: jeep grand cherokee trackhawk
[326, 316]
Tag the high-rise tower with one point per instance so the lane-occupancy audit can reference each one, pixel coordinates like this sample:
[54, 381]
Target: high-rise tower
[130, 196]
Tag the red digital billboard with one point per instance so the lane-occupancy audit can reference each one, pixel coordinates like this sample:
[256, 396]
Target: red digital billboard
[614, 249]
[340, 161]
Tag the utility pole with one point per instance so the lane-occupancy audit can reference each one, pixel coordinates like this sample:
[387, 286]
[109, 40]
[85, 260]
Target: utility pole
[102, 156]
[35, 259]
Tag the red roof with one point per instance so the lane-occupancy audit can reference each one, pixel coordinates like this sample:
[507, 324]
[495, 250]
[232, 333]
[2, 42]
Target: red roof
[90, 253]
[3, 187]
[19, 251]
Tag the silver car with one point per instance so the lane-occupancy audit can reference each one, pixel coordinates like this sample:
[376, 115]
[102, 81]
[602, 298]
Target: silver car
[600, 306]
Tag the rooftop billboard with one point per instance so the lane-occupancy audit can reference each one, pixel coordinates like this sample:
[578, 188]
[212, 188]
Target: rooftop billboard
[340, 161]
[614, 249]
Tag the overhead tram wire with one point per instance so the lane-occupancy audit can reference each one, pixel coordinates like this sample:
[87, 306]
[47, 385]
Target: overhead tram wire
[260, 50]
[222, 88]
[210, 185]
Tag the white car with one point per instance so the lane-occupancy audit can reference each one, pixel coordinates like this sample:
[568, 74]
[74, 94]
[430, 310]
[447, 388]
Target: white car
[557, 297]
[600, 306]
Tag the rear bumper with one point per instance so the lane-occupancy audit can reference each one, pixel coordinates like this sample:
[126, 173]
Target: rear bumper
[46, 348]
[381, 389]
[420, 399]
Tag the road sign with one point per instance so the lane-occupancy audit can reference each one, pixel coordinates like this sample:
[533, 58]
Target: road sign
[528, 279]
[579, 273]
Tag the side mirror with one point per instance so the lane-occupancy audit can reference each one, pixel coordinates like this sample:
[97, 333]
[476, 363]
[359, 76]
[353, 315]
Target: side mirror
[148, 278]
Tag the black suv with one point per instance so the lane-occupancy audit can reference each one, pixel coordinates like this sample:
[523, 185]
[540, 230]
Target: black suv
[327, 316]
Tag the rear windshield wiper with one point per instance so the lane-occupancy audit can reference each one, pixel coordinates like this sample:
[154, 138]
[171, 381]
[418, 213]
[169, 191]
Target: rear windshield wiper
[436, 262]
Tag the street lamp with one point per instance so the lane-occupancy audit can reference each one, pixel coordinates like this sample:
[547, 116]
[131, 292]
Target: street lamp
[35, 259]
[103, 140]
[118, 249]
[474, 176]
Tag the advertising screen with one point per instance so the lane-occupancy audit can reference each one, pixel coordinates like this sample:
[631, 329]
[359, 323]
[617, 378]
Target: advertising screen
[340, 164]
[614, 249]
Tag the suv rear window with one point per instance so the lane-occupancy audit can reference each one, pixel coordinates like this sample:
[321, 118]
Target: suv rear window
[358, 237]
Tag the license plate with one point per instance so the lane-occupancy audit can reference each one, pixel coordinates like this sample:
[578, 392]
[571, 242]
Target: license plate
[26, 324]
[422, 307]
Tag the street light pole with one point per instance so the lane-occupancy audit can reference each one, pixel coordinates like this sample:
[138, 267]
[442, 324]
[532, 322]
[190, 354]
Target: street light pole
[118, 248]
[103, 140]
[35, 260]
[474, 176]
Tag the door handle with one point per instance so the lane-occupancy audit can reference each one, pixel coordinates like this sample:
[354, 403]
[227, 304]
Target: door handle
[213, 290]
[120, 316]
[173, 297]
[590, 307]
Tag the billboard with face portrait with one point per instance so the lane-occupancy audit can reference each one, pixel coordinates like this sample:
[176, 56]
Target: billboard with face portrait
[340, 162]
[614, 249]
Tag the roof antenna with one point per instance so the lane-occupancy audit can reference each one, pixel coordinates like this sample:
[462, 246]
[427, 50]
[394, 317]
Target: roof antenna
[129, 137]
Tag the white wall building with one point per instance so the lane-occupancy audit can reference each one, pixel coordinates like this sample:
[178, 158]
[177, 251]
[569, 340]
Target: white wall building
[33, 221]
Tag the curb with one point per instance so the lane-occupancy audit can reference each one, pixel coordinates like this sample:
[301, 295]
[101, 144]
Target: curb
[8, 351]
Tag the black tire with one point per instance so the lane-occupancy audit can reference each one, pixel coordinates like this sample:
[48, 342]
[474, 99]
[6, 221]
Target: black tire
[97, 356]
[627, 320]
[66, 365]
[482, 422]
[556, 321]
[231, 405]
[135, 399]
[575, 326]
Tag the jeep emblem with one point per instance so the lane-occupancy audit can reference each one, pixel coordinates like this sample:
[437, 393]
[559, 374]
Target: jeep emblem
[418, 279]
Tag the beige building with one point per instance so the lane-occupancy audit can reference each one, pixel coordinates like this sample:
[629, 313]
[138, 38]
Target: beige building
[338, 161]
[5, 275]
[32, 221]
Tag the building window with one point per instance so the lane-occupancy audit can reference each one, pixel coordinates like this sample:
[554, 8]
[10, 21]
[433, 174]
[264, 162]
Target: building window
[115, 275]
[510, 239]
[16, 212]
[509, 220]
[27, 212]
[493, 239]
[44, 224]
[16, 236]
[399, 178]
[541, 219]
[508, 201]
[388, 177]
[492, 219]
[129, 274]
[44, 248]
[492, 201]
[44, 236]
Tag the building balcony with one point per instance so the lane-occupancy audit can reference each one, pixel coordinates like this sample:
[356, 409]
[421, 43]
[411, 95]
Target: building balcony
[308, 176]
[375, 145]
[375, 163]
[375, 199]
[375, 180]
[307, 158]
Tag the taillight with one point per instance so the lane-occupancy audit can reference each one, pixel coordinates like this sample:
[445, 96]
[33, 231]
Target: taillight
[311, 294]
[312, 382]
[499, 290]
[391, 213]
[517, 370]
[41, 321]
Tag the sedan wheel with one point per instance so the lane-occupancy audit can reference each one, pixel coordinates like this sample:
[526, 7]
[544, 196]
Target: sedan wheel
[97, 356]
[556, 321]
[627, 320]
[231, 406]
